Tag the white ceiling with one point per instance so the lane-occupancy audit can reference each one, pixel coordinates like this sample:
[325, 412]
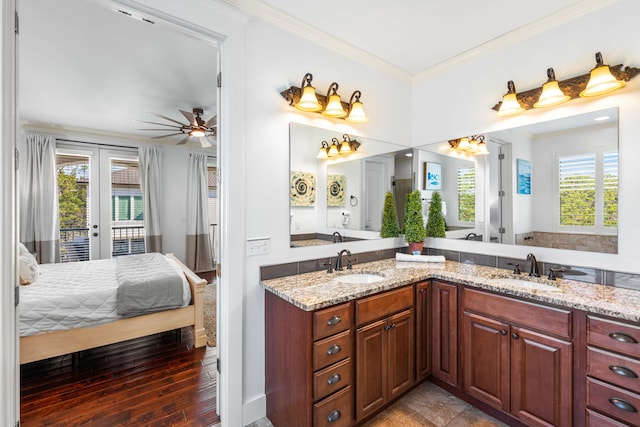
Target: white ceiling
[415, 35]
[83, 65]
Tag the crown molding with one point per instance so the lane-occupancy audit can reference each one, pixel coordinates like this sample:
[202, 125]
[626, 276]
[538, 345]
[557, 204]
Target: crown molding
[519, 34]
[259, 9]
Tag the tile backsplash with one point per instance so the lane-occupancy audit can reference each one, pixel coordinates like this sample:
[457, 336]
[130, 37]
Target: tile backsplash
[578, 273]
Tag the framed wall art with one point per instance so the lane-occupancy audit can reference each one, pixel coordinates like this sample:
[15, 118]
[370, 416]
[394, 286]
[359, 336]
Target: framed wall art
[432, 176]
[303, 189]
[524, 176]
[336, 186]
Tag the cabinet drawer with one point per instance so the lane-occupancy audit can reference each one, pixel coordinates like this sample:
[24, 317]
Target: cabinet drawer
[617, 336]
[331, 350]
[614, 401]
[334, 411]
[551, 320]
[595, 419]
[613, 368]
[379, 306]
[331, 321]
[331, 379]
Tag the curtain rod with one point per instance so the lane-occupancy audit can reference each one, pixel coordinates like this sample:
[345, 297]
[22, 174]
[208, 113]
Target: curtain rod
[101, 144]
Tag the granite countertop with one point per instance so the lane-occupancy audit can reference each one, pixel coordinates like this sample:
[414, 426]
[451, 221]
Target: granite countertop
[312, 291]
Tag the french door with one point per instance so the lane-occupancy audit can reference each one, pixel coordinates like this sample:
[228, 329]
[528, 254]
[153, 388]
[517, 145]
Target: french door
[99, 202]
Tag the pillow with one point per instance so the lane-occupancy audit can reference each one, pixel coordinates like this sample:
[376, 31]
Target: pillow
[22, 249]
[27, 268]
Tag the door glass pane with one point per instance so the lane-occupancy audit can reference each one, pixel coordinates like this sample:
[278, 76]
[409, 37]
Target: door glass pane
[74, 206]
[127, 226]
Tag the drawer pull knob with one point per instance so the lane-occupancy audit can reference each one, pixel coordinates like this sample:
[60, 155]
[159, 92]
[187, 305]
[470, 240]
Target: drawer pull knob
[334, 320]
[622, 404]
[619, 336]
[503, 332]
[333, 379]
[334, 416]
[334, 349]
[623, 371]
[515, 336]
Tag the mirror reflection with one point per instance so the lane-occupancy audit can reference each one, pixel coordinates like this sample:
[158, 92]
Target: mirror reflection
[340, 197]
[551, 184]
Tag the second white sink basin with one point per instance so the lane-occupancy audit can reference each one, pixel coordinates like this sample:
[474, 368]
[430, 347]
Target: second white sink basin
[360, 278]
[525, 284]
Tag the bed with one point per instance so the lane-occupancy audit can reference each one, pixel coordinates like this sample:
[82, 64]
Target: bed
[65, 308]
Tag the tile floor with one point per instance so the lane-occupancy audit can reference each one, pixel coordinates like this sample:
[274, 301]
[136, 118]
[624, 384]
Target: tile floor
[425, 406]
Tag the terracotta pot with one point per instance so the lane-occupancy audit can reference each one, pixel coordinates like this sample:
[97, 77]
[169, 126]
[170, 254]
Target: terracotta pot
[415, 246]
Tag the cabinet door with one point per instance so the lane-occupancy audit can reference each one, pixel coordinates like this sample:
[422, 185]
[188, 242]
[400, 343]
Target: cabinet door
[371, 368]
[401, 370]
[541, 379]
[423, 330]
[445, 332]
[485, 360]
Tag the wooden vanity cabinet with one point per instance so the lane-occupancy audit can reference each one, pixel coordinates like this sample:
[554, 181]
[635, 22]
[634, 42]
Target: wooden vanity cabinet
[444, 360]
[385, 354]
[517, 357]
[613, 372]
[308, 364]
[423, 330]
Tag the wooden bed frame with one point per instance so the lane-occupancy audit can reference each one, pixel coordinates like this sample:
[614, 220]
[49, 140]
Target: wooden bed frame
[56, 343]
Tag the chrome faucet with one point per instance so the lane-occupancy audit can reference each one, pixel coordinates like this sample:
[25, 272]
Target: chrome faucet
[337, 237]
[533, 268]
[471, 236]
[339, 260]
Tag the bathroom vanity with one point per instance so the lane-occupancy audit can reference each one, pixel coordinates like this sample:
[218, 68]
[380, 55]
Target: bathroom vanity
[342, 346]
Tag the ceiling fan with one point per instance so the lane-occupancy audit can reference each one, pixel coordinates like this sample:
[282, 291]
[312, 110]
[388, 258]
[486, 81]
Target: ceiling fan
[196, 128]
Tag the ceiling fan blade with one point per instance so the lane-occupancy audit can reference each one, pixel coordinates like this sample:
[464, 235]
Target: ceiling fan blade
[189, 116]
[204, 142]
[164, 130]
[156, 123]
[211, 122]
[167, 118]
[165, 136]
[185, 140]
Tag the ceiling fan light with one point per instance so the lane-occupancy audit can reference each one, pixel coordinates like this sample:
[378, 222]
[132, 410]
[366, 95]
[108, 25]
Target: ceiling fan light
[197, 132]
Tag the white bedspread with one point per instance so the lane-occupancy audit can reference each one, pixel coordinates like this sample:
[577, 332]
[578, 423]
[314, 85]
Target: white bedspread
[71, 295]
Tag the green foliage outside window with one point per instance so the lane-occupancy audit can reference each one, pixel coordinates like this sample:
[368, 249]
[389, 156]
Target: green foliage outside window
[72, 200]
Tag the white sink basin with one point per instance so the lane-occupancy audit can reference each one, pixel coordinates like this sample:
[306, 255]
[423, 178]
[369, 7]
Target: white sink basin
[360, 278]
[525, 284]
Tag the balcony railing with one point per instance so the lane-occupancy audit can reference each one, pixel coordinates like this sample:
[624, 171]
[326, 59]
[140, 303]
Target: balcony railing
[126, 240]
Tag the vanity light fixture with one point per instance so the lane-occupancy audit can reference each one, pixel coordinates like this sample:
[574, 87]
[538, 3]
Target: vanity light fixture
[600, 80]
[305, 98]
[334, 105]
[551, 94]
[356, 112]
[473, 145]
[337, 148]
[308, 100]
[510, 104]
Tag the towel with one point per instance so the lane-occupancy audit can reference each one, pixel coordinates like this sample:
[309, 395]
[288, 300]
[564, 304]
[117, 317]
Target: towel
[419, 258]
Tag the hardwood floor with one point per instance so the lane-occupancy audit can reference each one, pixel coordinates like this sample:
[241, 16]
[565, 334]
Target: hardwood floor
[152, 381]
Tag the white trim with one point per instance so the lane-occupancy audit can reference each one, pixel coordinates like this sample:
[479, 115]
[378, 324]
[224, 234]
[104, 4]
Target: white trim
[9, 382]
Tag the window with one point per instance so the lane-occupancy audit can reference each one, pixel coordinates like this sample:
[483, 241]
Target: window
[467, 194]
[588, 191]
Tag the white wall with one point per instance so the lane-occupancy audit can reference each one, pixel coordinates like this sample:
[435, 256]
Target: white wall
[570, 49]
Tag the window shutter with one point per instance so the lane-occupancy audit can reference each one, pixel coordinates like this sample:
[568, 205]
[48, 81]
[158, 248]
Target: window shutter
[577, 175]
[467, 194]
[610, 188]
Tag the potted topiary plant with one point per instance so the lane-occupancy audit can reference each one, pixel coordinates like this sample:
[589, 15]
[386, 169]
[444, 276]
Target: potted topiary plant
[414, 231]
[436, 226]
[390, 227]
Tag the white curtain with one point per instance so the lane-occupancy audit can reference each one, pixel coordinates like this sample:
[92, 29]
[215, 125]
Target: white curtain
[39, 224]
[150, 185]
[199, 256]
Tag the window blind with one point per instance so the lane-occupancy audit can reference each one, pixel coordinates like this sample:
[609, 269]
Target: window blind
[467, 194]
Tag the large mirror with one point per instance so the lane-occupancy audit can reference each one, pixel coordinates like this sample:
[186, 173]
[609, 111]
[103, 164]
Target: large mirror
[551, 184]
[340, 198]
